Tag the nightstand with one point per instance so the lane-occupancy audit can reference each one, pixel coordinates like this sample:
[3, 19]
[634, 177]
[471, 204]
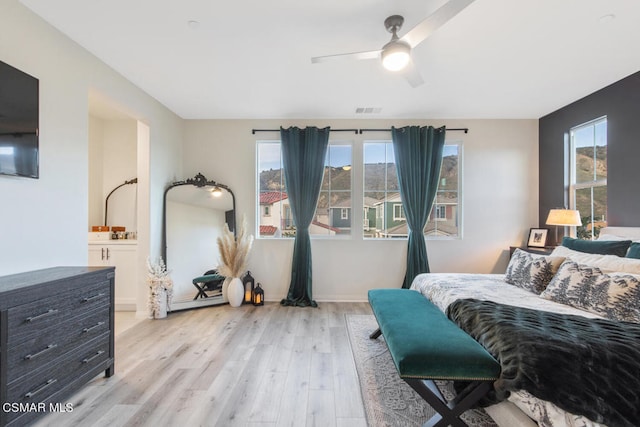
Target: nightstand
[540, 251]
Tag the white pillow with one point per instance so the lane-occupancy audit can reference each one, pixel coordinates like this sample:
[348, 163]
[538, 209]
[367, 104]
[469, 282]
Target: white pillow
[624, 233]
[608, 263]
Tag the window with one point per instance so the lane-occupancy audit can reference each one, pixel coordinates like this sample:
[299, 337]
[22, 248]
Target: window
[365, 220]
[588, 192]
[334, 203]
[384, 214]
[274, 220]
[398, 212]
[444, 220]
[332, 214]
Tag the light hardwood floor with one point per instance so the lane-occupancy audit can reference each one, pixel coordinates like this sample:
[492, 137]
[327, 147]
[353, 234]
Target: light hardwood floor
[224, 366]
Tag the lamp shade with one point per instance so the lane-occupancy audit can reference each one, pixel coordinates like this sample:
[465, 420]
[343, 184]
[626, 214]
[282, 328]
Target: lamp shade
[564, 217]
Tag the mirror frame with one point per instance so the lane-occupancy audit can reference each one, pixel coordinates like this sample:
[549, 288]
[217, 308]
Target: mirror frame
[198, 181]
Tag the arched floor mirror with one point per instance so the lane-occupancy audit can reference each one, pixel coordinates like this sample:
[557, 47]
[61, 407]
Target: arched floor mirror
[195, 211]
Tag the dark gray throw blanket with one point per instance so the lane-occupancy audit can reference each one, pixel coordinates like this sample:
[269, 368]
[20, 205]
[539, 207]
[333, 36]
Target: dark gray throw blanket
[588, 367]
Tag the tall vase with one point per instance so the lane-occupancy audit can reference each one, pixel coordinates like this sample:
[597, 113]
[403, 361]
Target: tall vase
[225, 289]
[235, 292]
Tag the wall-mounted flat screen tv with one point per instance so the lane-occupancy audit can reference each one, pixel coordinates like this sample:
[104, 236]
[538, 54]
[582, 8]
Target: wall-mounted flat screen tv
[18, 123]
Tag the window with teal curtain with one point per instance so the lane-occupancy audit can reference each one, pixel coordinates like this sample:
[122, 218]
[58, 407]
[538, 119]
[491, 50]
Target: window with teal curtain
[381, 194]
[418, 154]
[303, 156]
[333, 217]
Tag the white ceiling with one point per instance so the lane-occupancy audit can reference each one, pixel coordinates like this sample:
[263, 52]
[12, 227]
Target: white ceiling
[251, 59]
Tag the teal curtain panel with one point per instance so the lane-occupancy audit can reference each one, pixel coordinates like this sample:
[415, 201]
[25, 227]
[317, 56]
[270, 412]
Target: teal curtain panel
[303, 156]
[418, 152]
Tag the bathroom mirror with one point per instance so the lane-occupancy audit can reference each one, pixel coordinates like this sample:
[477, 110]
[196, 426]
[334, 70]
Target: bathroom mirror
[195, 211]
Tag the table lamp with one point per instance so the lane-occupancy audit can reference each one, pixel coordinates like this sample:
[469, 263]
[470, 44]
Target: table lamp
[563, 217]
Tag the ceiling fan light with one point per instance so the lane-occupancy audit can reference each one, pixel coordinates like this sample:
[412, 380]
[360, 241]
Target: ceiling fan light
[395, 56]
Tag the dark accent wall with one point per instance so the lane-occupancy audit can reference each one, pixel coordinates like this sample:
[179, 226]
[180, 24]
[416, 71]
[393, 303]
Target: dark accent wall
[620, 102]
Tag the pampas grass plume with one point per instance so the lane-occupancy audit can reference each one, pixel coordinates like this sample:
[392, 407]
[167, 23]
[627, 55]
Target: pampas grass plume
[234, 252]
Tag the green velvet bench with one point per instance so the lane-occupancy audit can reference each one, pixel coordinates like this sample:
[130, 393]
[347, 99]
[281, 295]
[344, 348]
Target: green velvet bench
[207, 282]
[426, 346]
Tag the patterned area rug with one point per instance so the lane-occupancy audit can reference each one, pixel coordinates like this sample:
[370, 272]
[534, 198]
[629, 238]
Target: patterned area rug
[388, 400]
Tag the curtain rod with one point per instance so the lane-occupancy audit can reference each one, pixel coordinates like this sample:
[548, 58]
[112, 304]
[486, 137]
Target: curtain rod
[253, 131]
[356, 131]
[465, 130]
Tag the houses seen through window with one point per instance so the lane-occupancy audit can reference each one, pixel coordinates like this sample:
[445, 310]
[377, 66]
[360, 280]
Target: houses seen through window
[384, 213]
[589, 176]
[332, 216]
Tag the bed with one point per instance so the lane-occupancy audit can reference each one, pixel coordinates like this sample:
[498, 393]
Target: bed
[544, 288]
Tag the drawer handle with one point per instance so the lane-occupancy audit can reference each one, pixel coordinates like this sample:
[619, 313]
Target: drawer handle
[97, 325]
[89, 359]
[41, 352]
[42, 387]
[43, 315]
[87, 299]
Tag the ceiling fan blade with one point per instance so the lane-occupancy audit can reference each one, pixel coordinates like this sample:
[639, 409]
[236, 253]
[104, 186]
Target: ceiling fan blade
[372, 54]
[431, 23]
[411, 73]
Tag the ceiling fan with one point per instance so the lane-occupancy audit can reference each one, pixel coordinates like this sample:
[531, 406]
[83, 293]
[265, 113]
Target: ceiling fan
[396, 55]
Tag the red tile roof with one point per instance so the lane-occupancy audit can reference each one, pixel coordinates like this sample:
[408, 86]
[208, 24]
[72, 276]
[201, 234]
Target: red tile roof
[272, 197]
[268, 230]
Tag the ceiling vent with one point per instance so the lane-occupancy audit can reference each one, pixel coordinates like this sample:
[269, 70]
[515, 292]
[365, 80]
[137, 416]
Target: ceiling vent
[368, 110]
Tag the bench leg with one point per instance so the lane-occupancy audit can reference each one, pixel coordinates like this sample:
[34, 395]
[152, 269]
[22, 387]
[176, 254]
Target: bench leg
[448, 413]
[375, 334]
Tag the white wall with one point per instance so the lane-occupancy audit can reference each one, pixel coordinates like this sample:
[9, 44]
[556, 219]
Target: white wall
[44, 222]
[500, 202]
[112, 161]
[96, 174]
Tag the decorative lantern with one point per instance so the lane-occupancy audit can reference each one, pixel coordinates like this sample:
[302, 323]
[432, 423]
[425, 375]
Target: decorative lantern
[249, 283]
[258, 296]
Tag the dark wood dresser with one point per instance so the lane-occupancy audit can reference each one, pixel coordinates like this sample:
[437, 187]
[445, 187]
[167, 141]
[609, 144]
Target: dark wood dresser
[56, 334]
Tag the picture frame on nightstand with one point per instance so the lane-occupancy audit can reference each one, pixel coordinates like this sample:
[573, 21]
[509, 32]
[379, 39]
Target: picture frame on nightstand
[537, 237]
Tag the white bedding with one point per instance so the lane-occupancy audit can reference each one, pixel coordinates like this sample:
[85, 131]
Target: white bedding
[444, 288]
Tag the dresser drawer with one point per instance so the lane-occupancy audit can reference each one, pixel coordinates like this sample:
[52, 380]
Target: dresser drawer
[59, 372]
[55, 336]
[28, 319]
[36, 352]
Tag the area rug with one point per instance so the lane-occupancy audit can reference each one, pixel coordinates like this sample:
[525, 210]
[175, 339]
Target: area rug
[388, 400]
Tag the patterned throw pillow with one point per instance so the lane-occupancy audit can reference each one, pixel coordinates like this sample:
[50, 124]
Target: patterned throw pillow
[531, 271]
[614, 296]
